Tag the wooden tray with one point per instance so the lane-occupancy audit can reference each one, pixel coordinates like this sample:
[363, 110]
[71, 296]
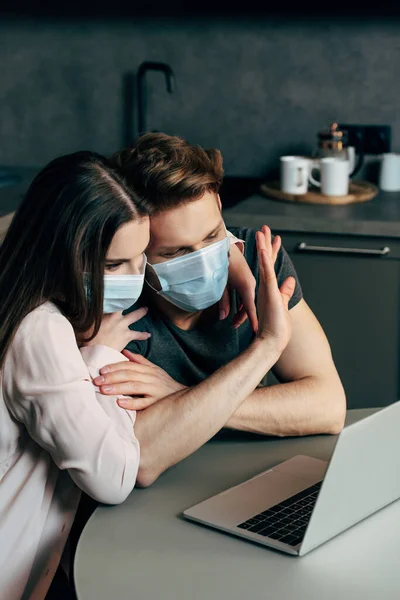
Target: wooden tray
[359, 191]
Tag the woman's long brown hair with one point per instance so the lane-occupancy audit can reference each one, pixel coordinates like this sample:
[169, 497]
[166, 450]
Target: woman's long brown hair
[61, 231]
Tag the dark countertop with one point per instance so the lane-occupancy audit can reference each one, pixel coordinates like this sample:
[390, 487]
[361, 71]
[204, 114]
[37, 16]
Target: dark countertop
[378, 217]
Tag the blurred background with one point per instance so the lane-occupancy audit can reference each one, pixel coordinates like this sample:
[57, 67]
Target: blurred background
[256, 84]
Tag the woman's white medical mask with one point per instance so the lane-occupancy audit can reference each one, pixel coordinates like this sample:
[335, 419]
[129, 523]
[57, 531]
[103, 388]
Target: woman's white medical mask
[122, 291]
[197, 280]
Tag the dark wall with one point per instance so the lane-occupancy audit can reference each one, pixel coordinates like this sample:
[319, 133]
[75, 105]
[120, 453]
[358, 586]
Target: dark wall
[254, 88]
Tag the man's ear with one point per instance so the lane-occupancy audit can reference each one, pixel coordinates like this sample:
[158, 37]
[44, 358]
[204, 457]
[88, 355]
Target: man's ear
[219, 202]
[152, 278]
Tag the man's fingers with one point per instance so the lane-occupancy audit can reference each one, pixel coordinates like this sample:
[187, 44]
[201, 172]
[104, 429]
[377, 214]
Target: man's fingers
[287, 289]
[224, 304]
[125, 375]
[113, 367]
[127, 400]
[260, 244]
[126, 388]
[267, 271]
[260, 240]
[268, 238]
[276, 246]
[135, 403]
[137, 358]
[131, 367]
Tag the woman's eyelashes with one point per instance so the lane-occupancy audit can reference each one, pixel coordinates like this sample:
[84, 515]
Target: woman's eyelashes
[112, 266]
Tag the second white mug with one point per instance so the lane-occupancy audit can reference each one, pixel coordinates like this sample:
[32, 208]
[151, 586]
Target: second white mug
[334, 176]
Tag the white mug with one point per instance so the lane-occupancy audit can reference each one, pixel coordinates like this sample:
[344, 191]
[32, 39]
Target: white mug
[334, 176]
[294, 174]
[389, 177]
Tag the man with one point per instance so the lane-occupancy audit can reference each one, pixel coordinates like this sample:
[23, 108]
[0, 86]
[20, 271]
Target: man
[191, 352]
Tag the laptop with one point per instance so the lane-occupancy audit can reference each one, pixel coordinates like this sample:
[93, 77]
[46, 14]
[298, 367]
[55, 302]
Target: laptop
[303, 502]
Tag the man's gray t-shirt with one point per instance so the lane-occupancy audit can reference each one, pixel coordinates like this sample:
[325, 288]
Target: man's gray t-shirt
[191, 356]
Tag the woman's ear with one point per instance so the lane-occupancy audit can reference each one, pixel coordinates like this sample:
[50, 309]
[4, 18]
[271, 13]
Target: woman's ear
[219, 202]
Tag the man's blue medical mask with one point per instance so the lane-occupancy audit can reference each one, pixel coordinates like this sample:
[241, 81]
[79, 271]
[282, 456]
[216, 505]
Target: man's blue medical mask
[197, 280]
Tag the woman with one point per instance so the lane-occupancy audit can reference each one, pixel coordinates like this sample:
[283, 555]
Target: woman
[77, 222]
[74, 251]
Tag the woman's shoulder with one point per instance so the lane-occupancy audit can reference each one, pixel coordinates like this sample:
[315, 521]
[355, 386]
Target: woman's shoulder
[44, 350]
[44, 324]
[45, 343]
[47, 311]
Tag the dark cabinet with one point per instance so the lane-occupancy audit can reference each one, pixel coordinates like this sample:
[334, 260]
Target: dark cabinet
[352, 284]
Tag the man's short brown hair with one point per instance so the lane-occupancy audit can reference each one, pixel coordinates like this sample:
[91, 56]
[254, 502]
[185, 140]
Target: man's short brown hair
[166, 171]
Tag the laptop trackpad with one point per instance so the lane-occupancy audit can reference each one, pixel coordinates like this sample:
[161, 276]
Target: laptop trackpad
[256, 495]
[305, 467]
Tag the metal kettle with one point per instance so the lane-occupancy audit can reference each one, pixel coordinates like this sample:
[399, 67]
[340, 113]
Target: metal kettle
[334, 143]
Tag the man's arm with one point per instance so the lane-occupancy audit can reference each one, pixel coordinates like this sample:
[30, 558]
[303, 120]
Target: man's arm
[310, 398]
[176, 426]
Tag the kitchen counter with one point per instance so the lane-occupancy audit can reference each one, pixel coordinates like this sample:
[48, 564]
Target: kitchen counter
[379, 217]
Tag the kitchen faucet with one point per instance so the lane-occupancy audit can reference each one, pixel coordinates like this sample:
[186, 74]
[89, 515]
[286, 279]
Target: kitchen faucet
[142, 88]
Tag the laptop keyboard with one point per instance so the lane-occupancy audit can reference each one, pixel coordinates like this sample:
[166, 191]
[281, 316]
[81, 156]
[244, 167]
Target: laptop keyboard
[286, 521]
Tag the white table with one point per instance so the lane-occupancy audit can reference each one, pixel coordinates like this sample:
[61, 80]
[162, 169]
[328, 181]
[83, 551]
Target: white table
[144, 550]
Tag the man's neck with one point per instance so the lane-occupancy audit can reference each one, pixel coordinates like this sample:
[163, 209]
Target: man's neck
[180, 318]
